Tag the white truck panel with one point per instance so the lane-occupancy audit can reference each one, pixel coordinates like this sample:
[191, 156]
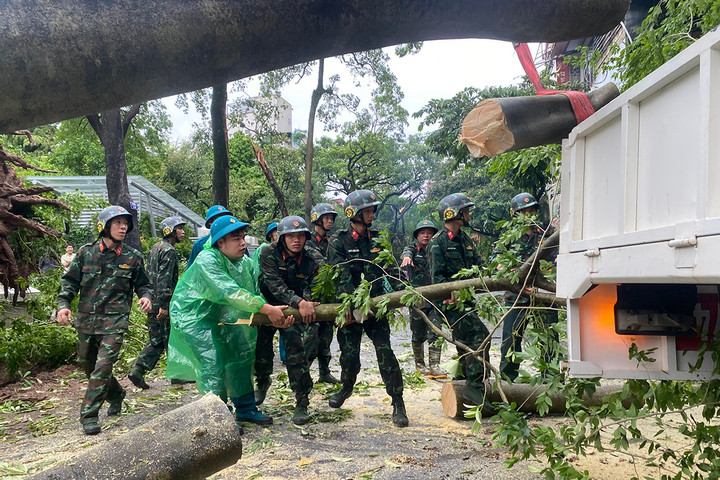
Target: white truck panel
[641, 205]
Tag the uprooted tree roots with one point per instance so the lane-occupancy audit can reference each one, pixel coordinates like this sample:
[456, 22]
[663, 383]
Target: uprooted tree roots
[14, 199]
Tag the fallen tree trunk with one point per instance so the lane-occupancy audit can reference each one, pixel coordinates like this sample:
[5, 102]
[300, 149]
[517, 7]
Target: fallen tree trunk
[190, 442]
[455, 403]
[328, 311]
[65, 59]
[499, 125]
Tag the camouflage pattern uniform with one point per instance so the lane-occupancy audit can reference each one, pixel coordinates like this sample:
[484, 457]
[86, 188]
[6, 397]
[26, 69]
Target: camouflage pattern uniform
[319, 335]
[514, 323]
[105, 280]
[419, 275]
[162, 269]
[285, 280]
[448, 255]
[349, 245]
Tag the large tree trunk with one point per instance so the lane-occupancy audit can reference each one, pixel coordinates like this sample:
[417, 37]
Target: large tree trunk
[190, 442]
[455, 403]
[221, 160]
[75, 64]
[499, 125]
[111, 129]
[309, 151]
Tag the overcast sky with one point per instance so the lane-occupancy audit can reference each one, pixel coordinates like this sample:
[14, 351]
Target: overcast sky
[440, 70]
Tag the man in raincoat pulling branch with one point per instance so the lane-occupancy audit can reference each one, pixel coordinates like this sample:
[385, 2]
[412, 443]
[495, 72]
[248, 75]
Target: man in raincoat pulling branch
[218, 289]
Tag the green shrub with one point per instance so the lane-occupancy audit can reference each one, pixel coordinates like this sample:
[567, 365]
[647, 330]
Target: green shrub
[25, 346]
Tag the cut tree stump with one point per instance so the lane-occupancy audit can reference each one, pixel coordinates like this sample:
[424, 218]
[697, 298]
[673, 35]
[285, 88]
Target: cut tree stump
[499, 125]
[190, 442]
[454, 402]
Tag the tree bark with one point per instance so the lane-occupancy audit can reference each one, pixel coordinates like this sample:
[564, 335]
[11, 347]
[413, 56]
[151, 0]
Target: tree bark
[455, 403]
[111, 128]
[499, 125]
[183, 46]
[221, 159]
[309, 151]
[190, 442]
[271, 180]
[328, 311]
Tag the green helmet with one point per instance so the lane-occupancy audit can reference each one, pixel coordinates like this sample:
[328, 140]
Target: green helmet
[167, 226]
[292, 224]
[424, 224]
[321, 209]
[358, 200]
[113, 211]
[450, 206]
[522, 201]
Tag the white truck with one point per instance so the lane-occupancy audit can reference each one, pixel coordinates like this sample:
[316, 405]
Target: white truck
[639, 257]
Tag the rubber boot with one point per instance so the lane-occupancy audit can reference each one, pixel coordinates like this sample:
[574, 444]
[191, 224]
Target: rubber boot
[116, 405]
[399, 415]
[137, 377]
[91, 426]
[261, 391]
[246, 411]
[300, 414]
[337, 400]
[418, 349]
[434, 357]
[325, 375]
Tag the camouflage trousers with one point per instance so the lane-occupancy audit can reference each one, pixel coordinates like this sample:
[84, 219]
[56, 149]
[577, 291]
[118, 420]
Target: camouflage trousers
[96, 356]
[469, 329]
[420, 330]
[512, 334]
[296, 362]
[159, 333]
[317, 339]
[377, 330]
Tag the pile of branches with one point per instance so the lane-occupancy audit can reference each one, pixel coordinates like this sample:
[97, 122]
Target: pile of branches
[16, 199]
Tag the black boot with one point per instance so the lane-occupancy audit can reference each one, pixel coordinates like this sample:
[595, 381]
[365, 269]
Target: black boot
[300, 414]
[399, 415]
[137, 377]
[434, 356]
[261, 391]
[116, 405]
[91, 426]
[418, 349]
[325, 375]
[337, 400]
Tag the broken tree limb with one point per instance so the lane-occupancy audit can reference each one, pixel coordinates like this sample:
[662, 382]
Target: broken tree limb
[190, 442]
[455, 403]
[176, 47]
[499, 125]
[328, 311]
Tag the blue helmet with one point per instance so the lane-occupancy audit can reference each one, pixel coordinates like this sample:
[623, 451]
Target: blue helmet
[224, 225]
[214, 212]
[269, 230]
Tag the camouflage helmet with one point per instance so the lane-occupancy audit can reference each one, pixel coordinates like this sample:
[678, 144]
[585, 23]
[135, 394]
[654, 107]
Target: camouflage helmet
[292, 224]
[321, 209]
[424, 224]
[167, 226]
[450, 206]
[521, 201]
[358, 200]
[113, 211]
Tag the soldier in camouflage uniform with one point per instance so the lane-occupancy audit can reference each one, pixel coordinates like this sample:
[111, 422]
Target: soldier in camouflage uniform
[415, 264]
[104, 274]
[319, 335]
[287, 271]
[514, 323]
[352, 250]
[162, 269]
[451, 250]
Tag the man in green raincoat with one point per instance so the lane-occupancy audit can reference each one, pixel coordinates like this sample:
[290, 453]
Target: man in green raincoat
[219, 288]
